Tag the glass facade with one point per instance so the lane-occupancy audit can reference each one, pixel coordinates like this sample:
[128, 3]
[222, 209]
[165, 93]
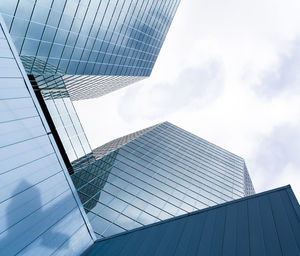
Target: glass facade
[66, 123]
[114, 38]
[115, 144]
[81, 49]
[248, 187]
[40, 211]
[162, 173]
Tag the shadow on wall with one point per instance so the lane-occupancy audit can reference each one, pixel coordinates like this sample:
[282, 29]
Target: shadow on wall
[27, 222]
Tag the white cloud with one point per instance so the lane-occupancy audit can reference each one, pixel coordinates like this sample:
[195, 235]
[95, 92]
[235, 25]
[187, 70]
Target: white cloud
[283, 77]
[198, 86]
[276, 160]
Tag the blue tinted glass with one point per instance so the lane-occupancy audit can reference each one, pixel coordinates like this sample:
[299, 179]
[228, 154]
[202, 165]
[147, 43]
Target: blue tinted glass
[162, 173]
[127, 28]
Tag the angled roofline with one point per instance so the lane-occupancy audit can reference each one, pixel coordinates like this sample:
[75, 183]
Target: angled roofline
[241, 158]
[147, 129]
[287, 187]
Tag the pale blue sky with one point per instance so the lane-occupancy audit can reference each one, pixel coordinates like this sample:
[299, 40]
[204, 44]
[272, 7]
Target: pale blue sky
[229, 73]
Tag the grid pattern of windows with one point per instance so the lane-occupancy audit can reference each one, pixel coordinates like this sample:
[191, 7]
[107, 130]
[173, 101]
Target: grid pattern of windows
[66, 123]
[40, 212]
[249, 189]
[98, 85]
[76, 84]
[164, 172]
[115, 144]
[88, 37]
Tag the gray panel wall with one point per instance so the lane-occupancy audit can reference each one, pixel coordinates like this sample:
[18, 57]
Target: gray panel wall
[265, 224]
[40, 214]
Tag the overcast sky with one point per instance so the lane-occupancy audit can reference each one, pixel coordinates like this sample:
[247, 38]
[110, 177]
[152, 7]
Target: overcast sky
[229, 73]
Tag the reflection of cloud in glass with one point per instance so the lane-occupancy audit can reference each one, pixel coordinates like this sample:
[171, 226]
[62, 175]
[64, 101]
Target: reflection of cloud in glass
[96, 40]
[18, 210]
[78, 38]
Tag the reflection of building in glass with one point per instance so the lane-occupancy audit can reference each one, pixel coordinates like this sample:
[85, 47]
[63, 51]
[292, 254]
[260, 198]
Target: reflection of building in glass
[91, 47]
[75, 50]
[89, 180]
[66, 123]
[40, 212]
[158, 173]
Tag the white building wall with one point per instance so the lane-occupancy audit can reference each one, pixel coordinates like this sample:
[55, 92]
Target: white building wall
[40, 212]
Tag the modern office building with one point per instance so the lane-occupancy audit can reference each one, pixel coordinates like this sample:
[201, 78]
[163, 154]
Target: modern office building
[156, 174]
[40, 211]
[90, 47]
[61, 113]
[158, 191]
[75, 50]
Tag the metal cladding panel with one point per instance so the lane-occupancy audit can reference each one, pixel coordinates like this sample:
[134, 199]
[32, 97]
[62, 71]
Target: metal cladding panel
[40, 212]
[263, 224]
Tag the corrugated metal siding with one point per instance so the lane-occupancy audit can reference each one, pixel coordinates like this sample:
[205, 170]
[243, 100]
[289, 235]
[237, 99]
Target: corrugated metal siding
[39, 214]
[263, 224]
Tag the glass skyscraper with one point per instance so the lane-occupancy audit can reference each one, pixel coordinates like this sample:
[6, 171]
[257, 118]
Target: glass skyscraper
[155, 174]
[90, 47]
[75, 50]
[40, 211]
[66, 123]
[57, 194]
